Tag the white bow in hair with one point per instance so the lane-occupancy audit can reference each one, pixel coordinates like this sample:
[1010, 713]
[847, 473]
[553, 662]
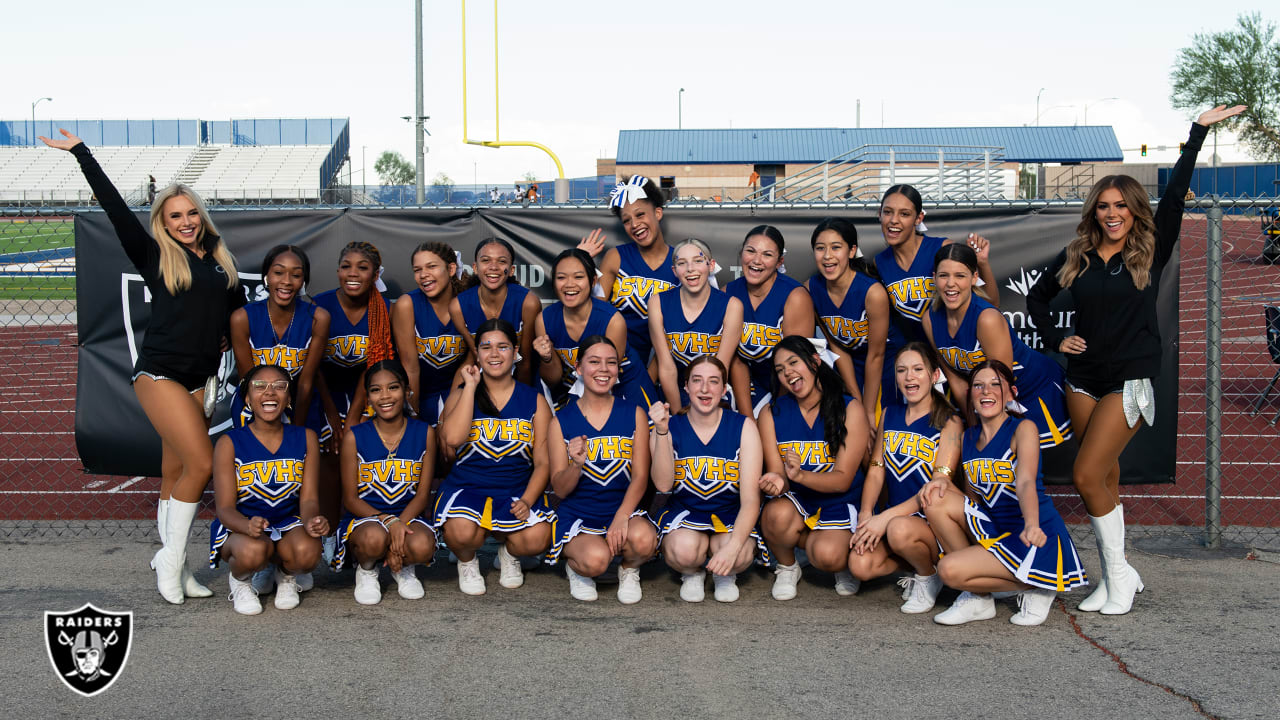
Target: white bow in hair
[626, 193]
[920, 226]
[377, 283]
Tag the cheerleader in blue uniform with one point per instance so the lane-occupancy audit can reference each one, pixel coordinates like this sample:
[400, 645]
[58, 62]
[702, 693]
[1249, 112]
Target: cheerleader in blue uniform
[600, 480]
[966, 329]
[715, 327]
[814, 435]
[495, 293]
[709, 523]
[852, 308]
[386, 481]
[266, 500]
[1001, 456]
[577, 315]
[423, 328]
[495, 430]
[906, 269]
[915, 443]
[773, 306]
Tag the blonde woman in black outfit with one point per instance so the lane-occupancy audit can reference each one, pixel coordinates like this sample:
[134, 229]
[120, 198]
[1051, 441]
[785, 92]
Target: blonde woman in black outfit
[194, 287]
[1112, 270]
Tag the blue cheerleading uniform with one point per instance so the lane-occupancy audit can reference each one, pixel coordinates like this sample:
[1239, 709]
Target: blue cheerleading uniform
[910, 292]
[385, 479]
[705, 495]
[690, 339]
[493, 467]
[345, 353]
[268, 484]
[633, 288]
[288, 352]
[441, 350]
[1039, 379]
[604, 479]
[512, 308]
[761, 330]
[909, 451]
[633, 385]
[820, 510]
[847, 323]
[991, 474]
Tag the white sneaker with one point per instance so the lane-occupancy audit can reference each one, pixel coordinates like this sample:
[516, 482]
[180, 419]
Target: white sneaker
[726, 587]
[367, 590]
[510, 575]
[470, 581]
[242, 596]
[580, 587]
[847, 584]
[785, 580]
[408, 584]
[1033, 606]
[629, 586]
[967, 608]
[692, 588]
[305, 581]
[286, 591]
[264, 581]
[922, 593]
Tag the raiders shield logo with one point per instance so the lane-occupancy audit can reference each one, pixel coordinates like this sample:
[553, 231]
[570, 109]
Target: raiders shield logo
[88, 647]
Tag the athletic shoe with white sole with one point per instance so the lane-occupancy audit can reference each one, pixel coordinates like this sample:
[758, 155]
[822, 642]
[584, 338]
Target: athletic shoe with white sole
[470, 581]
[922, 593]
[785, 580]
[407, 583]
[692, 586]
[286, 591]
[968, 607]
[367, 590]
[1033, 606]
[580, 587]
[242, 596]
[629, 592]
[510, 575]
[847, 584]
[726, 587]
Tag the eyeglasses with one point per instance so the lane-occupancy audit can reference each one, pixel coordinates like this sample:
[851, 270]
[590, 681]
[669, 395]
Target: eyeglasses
[277, 385]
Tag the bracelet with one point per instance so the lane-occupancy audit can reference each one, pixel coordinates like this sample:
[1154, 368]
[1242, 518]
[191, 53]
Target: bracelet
[943, 469]
[877, 463]
[655, 432]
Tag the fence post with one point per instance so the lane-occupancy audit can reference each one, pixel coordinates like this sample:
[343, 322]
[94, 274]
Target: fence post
[941, 169]
[1213, 382]
[893, 169]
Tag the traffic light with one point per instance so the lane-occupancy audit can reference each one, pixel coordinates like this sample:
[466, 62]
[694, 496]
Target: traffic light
[1144, 149]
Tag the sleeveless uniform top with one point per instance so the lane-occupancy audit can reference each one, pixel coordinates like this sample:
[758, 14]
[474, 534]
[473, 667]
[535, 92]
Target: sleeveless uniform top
[909, 451]
[497, 457]
[441, 348]
[910, 292]
[288, 352]
[794, 433]
[632, 290]
[701, 336]
[268, 484]
[345, 353]
[992, 472]
[706, 474]
[473, 313]
[761, 329]
[847, 322]
[606, 476]
[388, 479]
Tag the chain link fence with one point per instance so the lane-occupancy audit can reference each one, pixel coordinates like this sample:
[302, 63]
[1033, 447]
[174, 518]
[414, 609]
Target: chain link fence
[1226, 490]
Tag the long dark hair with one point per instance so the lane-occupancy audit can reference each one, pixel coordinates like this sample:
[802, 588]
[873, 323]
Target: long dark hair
[581, 256]
[963, 254]
[445, 252]
[279, 250]
[849, 234]
[652, 193]
[942, 410]
[483, 400]
[392, 366]
[474, 278]
[831, 389]
[1005, 372]
[910, 193]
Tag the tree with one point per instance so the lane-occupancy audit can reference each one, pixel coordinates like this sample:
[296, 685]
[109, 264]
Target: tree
[442, 180]
[1237, 66]
[530, 177]
[393, 169]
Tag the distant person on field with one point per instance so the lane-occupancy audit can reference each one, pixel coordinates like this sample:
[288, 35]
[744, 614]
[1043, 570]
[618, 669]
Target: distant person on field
[753, 181]
[151, 189]
[533, 192]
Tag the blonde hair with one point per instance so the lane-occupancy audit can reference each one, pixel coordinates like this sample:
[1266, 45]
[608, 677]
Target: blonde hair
[1139, 246]
[695, 242]
[174, 269]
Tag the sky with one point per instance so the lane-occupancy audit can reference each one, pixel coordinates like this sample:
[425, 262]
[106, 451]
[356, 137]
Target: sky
[573, 73]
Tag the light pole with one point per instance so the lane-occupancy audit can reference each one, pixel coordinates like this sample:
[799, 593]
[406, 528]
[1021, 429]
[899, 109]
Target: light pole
[679, 110]
[363, 185]
[1038, 106]
[1095, 102]
[1051, 107]
[33, 117]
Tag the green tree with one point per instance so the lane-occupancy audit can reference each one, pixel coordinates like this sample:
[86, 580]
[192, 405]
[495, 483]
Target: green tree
[393, 169]
[530, 177]
[442, 180]
[1237, 66]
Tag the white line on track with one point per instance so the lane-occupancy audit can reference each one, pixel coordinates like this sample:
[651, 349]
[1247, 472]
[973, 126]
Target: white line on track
[39, 459]
[88, 492]
[125, 484]
[94, 484]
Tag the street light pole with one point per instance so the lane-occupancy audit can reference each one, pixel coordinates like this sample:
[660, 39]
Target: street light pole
[1095, 102]
[364, 188]
[33, 116]
[1038, 107]
[679, 110]
[417, 115]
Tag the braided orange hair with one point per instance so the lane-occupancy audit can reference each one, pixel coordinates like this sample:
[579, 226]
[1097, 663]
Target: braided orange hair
[380, 344]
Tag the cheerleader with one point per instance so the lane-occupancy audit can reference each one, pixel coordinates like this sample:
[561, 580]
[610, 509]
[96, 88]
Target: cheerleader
[692, 320]
[814, 433]
[577, 315]
[1015, 539]
[262, 495]
[773, 306]
[966, 329]
[852, 309]
[386, 481]
[496, 293]
[600, 480]
[915, 443]
[496, 428]
[423, 328]
[709, 522]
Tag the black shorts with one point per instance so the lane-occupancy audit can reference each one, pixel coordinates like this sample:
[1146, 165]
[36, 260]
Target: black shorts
[144, 366]
[1095, 389]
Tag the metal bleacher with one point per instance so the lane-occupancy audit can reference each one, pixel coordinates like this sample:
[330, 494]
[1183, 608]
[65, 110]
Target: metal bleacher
[263, 172]
[43, 175]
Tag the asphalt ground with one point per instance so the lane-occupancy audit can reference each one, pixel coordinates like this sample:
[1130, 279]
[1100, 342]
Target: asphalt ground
[1202, 641]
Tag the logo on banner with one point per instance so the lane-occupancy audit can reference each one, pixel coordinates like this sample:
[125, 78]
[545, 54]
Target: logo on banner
[1022, 284]
[88, 648]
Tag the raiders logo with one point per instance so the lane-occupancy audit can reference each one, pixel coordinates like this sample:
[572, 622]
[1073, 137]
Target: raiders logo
[88, 647]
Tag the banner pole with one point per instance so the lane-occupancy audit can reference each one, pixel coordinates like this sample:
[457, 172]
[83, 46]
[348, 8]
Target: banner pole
[1213, 382]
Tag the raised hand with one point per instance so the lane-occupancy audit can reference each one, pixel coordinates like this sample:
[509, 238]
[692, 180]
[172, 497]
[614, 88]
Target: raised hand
[1207, 118]
[546, 351]
[593, 243]
[981, 247]
[660, 416]
[578, 450]
[70, 141]
[470, 377]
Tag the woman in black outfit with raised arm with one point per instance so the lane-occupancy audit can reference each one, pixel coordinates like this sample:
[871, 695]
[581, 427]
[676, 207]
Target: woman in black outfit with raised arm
[1112, 269]
[194, 287]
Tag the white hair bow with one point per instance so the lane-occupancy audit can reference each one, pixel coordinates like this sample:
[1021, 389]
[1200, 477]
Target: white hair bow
[626, 193]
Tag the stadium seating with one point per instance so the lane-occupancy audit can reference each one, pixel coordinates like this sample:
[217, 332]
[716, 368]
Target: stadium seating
[42, 174]
[267, 172]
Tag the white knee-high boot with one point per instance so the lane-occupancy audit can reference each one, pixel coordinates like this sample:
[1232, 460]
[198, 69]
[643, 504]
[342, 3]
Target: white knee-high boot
[1123, 582]
[1098, 597]
[190, 586]
[172, 558]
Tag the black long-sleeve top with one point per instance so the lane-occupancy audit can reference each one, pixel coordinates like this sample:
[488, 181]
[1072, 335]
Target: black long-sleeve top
[1117, 320]
[185, 331]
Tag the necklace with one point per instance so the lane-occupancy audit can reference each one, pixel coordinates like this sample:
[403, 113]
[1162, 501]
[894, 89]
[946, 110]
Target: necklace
[393, 444]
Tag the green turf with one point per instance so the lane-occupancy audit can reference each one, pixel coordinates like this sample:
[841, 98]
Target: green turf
[23, 236]
[38, 288]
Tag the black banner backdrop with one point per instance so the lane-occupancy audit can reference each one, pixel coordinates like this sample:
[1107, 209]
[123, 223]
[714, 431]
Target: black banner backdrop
[114, 437]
